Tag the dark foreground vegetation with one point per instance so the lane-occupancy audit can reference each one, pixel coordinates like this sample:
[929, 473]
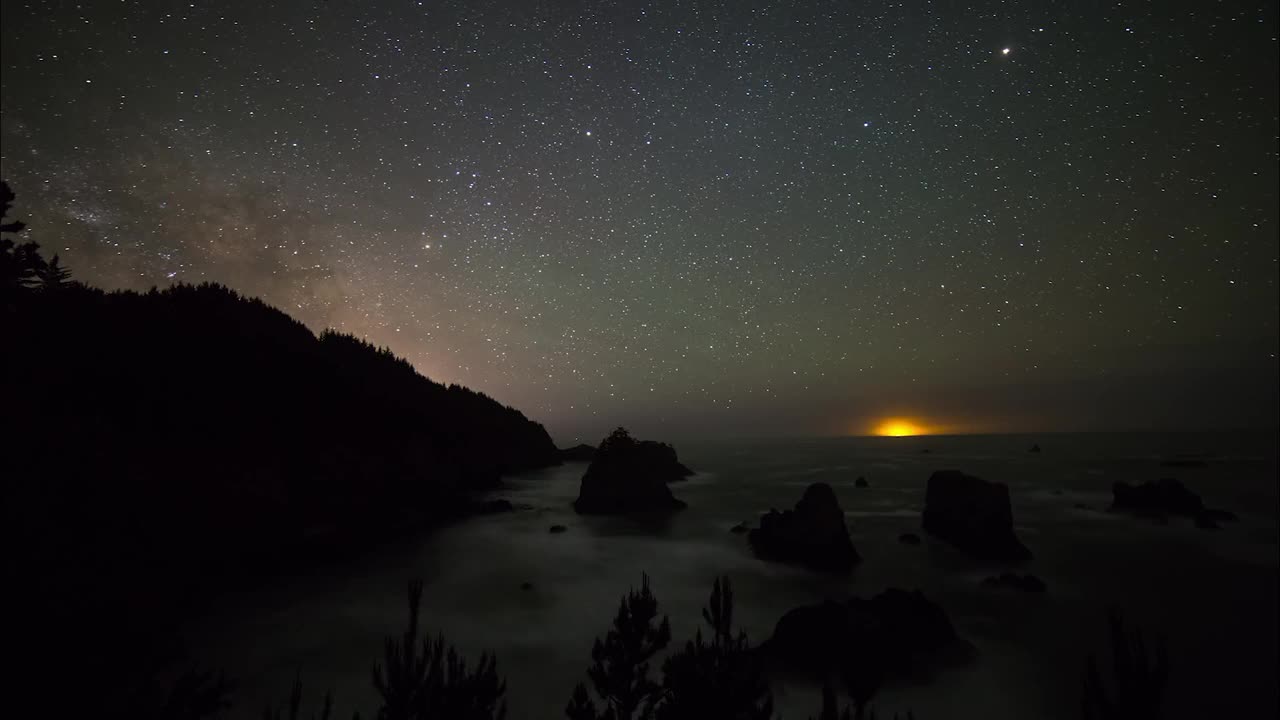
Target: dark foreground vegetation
[718, 675]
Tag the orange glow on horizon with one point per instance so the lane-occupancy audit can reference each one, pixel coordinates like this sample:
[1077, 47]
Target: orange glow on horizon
[899, 427]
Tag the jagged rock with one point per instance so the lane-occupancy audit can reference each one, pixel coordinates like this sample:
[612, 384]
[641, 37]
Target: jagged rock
[860, 482]
[577, 453]
[557, 529]
[739, 529]
[1165, 495]
[973, 515]
[627, 476]
[1034, 448]
[1025, 583]
[909, 539]
[896, 633]
[661, 459]
[813, 534]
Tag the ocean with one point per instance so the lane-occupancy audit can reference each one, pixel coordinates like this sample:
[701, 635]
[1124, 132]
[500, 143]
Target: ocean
[1211, 594]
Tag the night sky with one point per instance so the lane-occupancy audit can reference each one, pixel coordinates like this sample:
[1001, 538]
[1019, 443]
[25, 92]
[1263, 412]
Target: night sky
[694, 218]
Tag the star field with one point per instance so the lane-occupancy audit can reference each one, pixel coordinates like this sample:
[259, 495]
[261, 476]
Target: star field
[752, 217]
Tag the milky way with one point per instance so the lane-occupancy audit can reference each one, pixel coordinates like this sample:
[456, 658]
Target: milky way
[741, 217]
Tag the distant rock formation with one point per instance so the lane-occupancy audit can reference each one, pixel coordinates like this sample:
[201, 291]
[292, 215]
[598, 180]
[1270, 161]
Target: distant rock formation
[1034, 448]
[1166, 496]
[739, 529]
[491, 507]
[861, 482]
[557, 529]
[1025, 583]
[973, 515]
[813, 534]
[894, 635]
[629, 476]
[909, 539]
[577, 453]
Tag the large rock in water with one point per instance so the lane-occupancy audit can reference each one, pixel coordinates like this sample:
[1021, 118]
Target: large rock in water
[1165, 495]
[629, 476]
[896, 634]
[813, 535]
[974, 515]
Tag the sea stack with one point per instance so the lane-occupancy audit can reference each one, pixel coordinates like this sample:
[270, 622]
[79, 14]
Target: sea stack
[1166, 496]
[894, 635]
[629, 476]
[813, 535]
[973, 515]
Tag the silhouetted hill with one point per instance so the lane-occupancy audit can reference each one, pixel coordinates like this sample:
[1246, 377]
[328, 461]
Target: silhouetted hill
[193, 427]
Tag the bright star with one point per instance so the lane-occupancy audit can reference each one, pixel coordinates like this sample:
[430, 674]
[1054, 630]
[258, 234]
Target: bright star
[1006, 51]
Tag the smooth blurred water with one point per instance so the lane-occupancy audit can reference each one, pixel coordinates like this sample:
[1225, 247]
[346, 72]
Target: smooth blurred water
[1212, 593]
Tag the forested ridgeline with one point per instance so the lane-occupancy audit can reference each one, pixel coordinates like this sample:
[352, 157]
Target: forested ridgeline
[192, 427]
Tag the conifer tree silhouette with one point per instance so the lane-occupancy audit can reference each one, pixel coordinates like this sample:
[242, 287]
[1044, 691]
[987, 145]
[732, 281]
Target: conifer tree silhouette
[20, 265]
[196, 695]
[831, 706]
[720, 679]
[422, 679]
[1138, 680]
[6, 201]
[619, 672]
[52, 275]
[292, 710]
